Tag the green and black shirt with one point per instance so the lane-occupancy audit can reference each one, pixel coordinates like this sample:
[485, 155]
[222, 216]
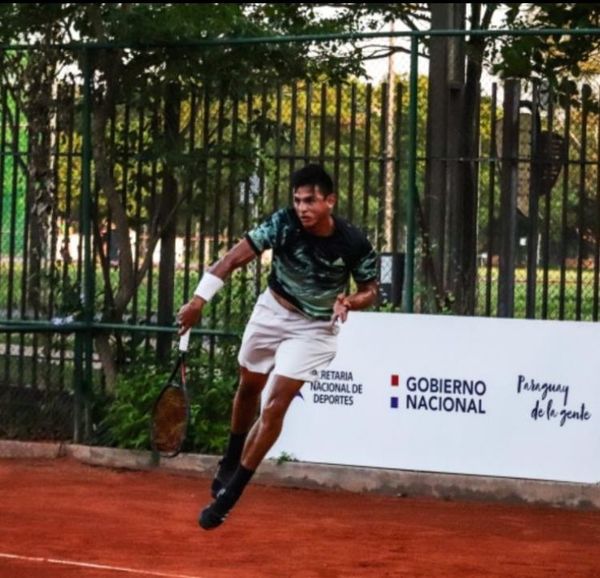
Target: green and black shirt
[310, 271]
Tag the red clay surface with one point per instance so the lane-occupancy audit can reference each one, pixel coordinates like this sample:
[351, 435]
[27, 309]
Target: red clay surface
[137, 524]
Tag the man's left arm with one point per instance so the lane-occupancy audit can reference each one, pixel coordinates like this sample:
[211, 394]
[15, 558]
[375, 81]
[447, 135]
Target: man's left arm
[365, 296]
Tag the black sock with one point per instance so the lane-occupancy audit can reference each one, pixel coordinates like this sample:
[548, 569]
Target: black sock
[233, 454]
[239, 480]
[227, 499]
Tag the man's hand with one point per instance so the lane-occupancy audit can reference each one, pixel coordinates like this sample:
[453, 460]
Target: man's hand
[363, 298]
[190, 314]
[340, 309]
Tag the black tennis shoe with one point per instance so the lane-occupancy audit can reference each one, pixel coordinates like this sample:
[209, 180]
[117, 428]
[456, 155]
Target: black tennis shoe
[214, 514]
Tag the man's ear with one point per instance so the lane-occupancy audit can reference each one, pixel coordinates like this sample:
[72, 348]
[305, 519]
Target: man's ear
[331, 200]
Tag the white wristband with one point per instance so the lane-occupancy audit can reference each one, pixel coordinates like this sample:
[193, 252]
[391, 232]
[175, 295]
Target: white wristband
[208, 286]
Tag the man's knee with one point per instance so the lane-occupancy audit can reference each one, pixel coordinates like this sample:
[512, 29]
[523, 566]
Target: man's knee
[282, 394]
[274, 411]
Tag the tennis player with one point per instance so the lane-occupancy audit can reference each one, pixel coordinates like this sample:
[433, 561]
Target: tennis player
[292, 332]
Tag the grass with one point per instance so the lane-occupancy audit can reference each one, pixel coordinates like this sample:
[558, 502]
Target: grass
[567, 291]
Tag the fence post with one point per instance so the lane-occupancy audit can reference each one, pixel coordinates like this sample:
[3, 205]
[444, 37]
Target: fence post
[169, 196]
[509, 179]
[85, 384]
[533, 207]
[411, 192]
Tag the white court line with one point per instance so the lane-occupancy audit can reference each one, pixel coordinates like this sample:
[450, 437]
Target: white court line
[94, 566]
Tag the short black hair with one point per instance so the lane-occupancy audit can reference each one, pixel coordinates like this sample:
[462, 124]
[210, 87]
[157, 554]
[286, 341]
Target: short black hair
[313, 175]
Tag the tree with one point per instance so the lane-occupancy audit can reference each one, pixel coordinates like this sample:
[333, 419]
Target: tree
[30, 80]
[451, 192]
[161, 59]
[548, 58]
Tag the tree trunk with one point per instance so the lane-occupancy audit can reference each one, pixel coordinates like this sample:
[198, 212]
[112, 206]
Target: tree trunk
[445, 82]
[466, 266]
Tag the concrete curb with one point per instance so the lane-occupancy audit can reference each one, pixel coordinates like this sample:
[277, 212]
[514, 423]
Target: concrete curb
[398, 483]
[31, 450]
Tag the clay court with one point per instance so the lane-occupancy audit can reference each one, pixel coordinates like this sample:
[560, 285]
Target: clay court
[63, 519]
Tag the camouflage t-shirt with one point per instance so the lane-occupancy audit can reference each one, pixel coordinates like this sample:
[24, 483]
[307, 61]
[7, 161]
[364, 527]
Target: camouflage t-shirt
[310, 271]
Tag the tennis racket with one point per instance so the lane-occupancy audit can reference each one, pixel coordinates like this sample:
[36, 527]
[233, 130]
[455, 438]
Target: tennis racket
[171, 411]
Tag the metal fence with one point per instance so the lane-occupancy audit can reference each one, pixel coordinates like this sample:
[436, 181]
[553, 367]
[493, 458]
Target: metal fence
[226, 164]
[549, 158]
[194, 167]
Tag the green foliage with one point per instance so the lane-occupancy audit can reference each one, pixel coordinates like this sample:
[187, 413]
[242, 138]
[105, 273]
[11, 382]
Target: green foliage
[285, 457]
[126, 423]
[547, 57]
[162, 25]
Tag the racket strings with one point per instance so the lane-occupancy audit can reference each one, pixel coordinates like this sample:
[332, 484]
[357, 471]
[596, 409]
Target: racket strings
[170, 420]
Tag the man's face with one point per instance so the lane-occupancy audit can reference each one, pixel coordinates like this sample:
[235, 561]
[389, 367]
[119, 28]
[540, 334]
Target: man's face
[312, 208]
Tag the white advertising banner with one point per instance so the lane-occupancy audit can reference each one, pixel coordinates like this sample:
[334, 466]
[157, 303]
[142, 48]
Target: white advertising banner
[467, 395]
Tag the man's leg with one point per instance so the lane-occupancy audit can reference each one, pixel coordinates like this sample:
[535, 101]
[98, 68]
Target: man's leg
[245, 408]
[262, 436]
[267, 428]
[247, 400]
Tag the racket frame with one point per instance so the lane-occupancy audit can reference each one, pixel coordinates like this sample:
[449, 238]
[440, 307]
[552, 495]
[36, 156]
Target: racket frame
[179, 383]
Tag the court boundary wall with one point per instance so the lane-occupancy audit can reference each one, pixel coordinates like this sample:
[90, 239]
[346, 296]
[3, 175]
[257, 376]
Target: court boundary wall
[399, 483]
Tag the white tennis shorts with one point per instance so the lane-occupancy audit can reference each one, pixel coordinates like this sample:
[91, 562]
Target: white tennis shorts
[286, 342]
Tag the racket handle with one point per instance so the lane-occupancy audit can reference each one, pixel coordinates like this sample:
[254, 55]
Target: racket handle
[184, 341]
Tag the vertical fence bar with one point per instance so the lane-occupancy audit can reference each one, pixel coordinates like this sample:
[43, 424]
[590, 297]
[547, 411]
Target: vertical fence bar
[12, 229]
[277, 176]
[307, 121]
[109, 225]
[232, 192]
[337, 137]
[86, 215]
[54, 230]
[382, 180]
[204, 180]
[233, 172]
[216, 218]
[261, 183]
[564, 214]
[246, 208]
[189, 180]
[581, 202]
[139, 170]
[16, 158]
[26, 155]
[66, 283]
[216, 231]
[323, 123]
[508, 199]
[411, 190]
[293, 128]
[491, 203]
[367, 159]
[52, 272]
[3, 154]
[547, 219]
[352, 152]
[205, 167]
[396, 229]
[534, 191]
[169, 199]
[154, 130]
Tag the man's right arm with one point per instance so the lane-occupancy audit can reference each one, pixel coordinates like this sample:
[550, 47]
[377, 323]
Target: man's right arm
[238, 256]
